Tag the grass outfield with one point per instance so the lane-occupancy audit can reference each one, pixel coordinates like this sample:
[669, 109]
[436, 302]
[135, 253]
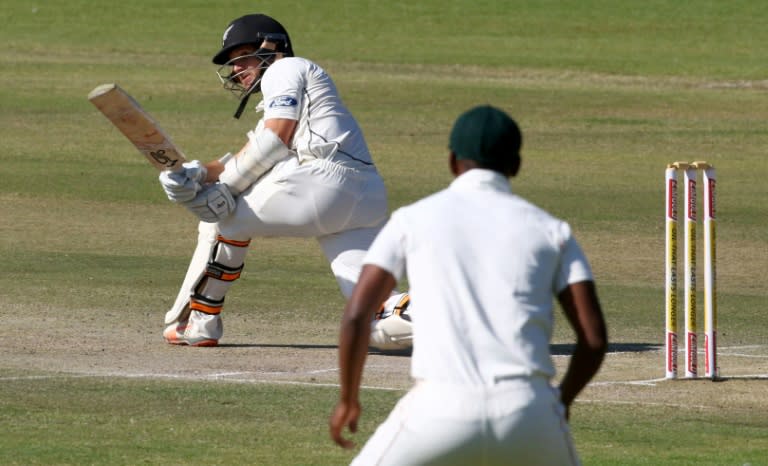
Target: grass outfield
[607, 93]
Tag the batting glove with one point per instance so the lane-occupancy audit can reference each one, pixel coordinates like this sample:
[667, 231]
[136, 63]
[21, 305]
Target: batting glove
[182, 186]
[213, 204]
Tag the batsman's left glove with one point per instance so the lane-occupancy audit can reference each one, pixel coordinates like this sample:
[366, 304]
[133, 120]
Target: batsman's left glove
[214, 203]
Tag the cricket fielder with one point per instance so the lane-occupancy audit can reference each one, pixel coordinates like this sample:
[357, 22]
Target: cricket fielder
[483, 265]
[305, 171]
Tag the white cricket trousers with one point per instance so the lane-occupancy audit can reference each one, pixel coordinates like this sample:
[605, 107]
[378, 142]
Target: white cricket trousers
[519, 421]
[343, 207]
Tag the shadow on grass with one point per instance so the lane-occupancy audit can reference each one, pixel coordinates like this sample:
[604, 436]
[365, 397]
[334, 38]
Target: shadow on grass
[276, 345]
[567, 349]
[556, 349]
[402, 352]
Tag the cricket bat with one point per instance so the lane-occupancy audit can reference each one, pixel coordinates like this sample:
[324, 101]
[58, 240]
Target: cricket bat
[138, 126]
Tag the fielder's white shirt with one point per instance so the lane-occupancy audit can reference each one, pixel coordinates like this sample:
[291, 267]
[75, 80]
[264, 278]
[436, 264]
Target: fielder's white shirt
[299, 89]
[483, 267]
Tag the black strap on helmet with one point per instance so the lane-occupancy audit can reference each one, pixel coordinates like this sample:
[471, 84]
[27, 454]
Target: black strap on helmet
[243, 103]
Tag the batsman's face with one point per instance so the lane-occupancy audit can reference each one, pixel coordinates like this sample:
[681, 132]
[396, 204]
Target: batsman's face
[246, 66]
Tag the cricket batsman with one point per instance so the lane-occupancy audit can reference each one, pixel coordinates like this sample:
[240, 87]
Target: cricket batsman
[304, 171]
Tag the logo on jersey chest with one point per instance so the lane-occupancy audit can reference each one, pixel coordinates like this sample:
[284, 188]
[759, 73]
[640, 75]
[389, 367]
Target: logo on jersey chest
[283, 101]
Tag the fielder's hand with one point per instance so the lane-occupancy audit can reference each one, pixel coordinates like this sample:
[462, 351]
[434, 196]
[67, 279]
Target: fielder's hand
[345, 414]
[214, 203]
[183, 186]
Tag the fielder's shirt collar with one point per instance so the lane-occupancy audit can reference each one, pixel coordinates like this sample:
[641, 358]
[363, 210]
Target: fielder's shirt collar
[482, 179]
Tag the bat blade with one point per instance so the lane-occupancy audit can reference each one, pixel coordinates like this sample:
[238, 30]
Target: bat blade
[138, 126]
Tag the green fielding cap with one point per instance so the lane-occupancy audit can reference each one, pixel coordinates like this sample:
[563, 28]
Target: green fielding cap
[486, 135]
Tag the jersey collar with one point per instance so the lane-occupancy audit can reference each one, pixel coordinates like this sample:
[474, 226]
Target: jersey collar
[482, 179]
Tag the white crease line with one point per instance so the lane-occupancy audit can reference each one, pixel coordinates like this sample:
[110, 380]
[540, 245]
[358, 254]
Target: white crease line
[650, 382]
[743, 347]
[255, 381]
[643, 403]
[653, 382]
[229, 374]
[225, 375]
[324, 371]
[741, 355]
[753, 376]
[195, 378]
[44, 377]
[217, 377]
[721, 351]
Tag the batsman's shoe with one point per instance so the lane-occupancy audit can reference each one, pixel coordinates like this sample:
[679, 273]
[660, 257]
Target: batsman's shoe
[174, 334]
[199, 330]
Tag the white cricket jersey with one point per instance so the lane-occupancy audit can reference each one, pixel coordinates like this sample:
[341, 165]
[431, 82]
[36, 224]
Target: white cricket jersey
[299, 89]
[483, 266]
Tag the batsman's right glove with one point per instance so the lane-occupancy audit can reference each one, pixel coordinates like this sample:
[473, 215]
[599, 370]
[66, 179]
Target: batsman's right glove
[183, 186]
